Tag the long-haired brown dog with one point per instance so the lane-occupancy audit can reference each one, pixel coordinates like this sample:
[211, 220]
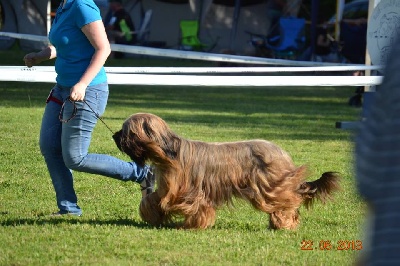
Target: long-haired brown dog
[194, 178]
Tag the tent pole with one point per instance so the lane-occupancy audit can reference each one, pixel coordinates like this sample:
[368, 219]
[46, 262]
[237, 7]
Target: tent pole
[236, 14]
[48, 17]
[314, 21]
[371, 6]
[339, 15]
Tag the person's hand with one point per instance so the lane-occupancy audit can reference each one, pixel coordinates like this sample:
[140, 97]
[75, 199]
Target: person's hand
[31, 59]
[78, 91]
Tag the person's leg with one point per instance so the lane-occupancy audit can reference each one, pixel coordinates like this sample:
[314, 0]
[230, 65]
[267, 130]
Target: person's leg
[50, 146]
[76, 137]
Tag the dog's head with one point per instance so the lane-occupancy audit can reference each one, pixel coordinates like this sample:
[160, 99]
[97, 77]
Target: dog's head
[146, 137]
[127, 147]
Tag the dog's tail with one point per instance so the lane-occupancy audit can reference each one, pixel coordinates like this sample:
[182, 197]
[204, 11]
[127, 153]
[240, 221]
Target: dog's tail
[321, 189]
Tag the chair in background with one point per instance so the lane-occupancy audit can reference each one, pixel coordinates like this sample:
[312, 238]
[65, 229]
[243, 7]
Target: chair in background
[189, 36]
[288, 44]
[126, 33]
[291, 40]
[143, 33]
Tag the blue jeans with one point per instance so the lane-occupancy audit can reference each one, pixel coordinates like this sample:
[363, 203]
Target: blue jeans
[65, 145]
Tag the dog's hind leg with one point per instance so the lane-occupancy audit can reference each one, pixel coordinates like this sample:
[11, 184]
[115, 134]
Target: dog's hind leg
[203, 218]
[287, 219]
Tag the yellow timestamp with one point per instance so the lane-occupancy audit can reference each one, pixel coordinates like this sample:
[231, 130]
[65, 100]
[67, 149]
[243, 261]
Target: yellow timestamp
[331, 245]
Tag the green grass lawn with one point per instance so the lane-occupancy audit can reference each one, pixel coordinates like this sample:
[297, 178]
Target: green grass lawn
[110, 232]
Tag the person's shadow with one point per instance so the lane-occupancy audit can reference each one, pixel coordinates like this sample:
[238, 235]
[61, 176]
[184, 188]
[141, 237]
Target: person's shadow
[42, 220]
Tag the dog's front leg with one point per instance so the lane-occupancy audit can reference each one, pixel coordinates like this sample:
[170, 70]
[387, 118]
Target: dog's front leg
[150, 210]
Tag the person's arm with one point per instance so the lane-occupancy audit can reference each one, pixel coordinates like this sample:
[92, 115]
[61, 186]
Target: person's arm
[97, 36]
[46, 53]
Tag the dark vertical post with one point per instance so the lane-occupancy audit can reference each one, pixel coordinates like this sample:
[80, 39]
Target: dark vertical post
[314, 22]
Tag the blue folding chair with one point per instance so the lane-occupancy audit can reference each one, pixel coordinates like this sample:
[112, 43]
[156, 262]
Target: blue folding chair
[291, 40]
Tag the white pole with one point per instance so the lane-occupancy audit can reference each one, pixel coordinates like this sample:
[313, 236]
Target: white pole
[372, 5]
[339, 15]
[48, 22]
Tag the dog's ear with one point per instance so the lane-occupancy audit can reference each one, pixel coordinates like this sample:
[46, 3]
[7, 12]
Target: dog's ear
[117, 139]
[131, 146]
[147, 129]
[169, 143]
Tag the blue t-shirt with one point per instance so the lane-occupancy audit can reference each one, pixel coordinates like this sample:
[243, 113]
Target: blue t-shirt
[74, 51]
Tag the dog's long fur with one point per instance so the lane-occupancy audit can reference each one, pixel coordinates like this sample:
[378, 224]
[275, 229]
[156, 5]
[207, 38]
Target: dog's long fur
[195, 178]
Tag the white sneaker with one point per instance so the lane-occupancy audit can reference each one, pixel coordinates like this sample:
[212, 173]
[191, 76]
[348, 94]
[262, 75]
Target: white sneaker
[149, 182]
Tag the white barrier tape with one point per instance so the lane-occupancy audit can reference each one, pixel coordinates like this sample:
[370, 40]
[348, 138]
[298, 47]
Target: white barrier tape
[27, 75]
[205, 70]
[241, 81]
[193, 80]
[28, 37]
[189, 54]
[247, 70]
[215, 57]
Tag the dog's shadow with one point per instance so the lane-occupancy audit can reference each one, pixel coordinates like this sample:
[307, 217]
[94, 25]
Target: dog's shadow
[46, 220]
[42, 220]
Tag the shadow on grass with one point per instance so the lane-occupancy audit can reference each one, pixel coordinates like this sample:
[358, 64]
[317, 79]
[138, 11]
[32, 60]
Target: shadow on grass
[313, 111]
[45, 220]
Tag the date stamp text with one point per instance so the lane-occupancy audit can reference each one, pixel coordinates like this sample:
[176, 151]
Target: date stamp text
[331, 245]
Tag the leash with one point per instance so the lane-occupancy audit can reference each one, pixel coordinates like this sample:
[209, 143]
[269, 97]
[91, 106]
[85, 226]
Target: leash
[75, 111]
[98, 117]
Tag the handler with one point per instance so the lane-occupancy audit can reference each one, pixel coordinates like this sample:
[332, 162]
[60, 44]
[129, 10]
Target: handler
[79, 41]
